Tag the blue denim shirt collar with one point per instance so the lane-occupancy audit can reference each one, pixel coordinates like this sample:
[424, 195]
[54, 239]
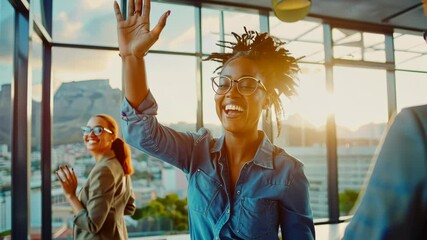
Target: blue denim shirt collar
[263, 156]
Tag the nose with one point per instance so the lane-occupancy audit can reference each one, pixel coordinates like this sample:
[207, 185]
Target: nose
[233, 90]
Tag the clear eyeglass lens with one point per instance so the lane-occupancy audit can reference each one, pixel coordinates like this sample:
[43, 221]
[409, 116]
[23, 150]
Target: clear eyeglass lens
[245, 85]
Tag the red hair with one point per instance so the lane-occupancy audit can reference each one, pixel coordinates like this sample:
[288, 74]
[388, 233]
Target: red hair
[119, 146]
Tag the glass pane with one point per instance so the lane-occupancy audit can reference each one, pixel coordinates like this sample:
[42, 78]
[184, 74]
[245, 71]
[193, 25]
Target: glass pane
[175, 93]
[360, 102]
[356, 45]
[7, 30]
[303, 132]
[374, 47]
[36, 10]
[83, 82]
[36, 95]
[85, 22]
[303, 38]
[410, 51]
[410, 89]
[179, 34]
[233, 23]
[211, 20]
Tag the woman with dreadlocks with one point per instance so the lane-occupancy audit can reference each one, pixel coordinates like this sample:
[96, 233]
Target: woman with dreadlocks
[240, 186]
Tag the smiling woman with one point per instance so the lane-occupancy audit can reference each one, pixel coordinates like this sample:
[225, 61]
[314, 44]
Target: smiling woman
[240, 186]
[107, 195]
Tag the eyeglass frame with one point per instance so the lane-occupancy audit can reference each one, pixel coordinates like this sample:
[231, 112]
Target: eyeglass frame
[259, 82]
[85, 133]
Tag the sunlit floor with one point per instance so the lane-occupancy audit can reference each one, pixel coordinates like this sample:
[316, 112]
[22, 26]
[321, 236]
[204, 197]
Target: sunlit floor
[323, 232]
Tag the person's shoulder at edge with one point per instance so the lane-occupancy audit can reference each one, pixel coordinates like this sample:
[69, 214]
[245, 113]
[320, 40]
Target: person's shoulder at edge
[414, 114]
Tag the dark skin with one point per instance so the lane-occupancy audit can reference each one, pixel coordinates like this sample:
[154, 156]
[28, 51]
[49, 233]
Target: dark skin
[241, 127]
[241, 134]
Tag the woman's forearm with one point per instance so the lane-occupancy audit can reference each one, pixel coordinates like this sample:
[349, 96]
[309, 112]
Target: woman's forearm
[75, 203]
[136, 88]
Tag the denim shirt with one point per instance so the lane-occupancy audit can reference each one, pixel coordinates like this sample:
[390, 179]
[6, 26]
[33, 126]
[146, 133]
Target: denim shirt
[271, 191]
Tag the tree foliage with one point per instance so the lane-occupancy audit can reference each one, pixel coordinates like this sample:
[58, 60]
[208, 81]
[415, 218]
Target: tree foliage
[170, 207]
[347, 200]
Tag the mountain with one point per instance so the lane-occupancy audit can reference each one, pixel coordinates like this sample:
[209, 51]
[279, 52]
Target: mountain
[76, 102]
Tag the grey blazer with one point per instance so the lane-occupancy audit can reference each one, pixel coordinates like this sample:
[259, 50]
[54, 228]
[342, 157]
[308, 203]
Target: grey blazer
[394, 205]
[107, 196]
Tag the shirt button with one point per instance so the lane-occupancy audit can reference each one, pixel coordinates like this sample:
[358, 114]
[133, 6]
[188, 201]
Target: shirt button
[228, 210]
[238, 192]
[144, 118]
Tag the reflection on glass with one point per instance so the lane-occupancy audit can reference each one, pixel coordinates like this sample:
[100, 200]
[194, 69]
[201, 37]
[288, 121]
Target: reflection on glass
[356, 45]
[85, 82]
[303, 132]
[35, 194]
[7, 30]
[410, 51]
[360, 97]
[303, 38]
[410, 89]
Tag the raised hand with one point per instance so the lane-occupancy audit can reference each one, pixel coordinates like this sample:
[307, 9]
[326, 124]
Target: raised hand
[68, 181]
[134, 35]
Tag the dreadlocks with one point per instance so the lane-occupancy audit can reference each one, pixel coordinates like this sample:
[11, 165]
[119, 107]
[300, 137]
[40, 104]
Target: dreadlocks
[275, 62]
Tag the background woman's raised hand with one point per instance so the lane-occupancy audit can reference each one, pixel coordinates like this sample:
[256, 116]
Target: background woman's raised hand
[68, 180]
[134, 35]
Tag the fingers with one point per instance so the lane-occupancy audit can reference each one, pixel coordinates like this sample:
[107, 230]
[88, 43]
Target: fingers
[138, 7]
[119, 16]
[59, 177]
[131, 7]
[67, 176]
[161, 24]
[146, 10]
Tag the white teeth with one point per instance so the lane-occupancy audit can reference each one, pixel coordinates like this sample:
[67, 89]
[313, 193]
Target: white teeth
[92, 141]
[234, 108]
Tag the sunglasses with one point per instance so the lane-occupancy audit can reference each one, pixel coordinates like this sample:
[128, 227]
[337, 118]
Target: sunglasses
[96, 130]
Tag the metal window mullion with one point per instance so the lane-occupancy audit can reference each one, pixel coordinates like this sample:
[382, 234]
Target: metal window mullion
[199, 66]
[331, 135]
[391, 75]
[21, 129]
[267, 123]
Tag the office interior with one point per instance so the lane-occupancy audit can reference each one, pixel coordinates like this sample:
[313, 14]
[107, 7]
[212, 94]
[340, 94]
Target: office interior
[361, 62]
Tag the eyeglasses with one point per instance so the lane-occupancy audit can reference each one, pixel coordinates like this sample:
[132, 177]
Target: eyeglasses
[96, 130]
[245, 85]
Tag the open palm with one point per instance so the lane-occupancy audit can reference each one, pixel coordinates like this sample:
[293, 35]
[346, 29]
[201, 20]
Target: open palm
[134, 35]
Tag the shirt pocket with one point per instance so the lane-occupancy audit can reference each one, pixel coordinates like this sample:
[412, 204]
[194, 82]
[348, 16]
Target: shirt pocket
[258, 218]
[202, 192]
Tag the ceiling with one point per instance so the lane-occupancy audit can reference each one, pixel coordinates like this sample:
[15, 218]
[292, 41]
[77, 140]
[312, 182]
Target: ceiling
[406, 14]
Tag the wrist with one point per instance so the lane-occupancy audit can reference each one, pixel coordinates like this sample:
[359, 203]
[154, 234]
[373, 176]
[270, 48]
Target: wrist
[130, 55]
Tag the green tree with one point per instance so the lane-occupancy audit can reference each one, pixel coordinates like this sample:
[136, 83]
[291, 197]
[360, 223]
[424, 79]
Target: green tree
[347, 200]
[170, 207]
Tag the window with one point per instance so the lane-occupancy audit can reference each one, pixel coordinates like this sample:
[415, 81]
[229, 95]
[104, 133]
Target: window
[82, 81]
[36, 124]
[7, 29]
[360, 106]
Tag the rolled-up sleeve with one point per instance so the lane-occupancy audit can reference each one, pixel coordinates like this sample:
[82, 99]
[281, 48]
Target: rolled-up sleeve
[142, 131]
